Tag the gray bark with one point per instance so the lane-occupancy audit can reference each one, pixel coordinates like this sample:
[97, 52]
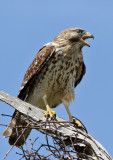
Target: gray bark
[59, 129]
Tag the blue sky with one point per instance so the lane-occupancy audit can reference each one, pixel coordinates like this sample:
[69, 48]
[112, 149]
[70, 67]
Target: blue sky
[25, 26]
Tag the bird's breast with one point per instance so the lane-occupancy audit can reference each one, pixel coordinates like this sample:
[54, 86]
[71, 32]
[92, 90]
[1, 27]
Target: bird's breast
[57, 78]
[62, 72]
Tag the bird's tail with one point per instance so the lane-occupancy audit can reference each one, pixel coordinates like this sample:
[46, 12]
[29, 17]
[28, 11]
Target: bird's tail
[17, 130]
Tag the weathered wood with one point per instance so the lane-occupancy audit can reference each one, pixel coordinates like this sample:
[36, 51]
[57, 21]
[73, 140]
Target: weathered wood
[58, 128]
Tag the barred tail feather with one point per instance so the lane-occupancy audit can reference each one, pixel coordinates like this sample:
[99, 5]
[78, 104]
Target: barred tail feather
[9, 129]
[16, 130]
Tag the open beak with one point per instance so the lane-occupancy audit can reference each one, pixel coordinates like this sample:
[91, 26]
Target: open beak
[86, 36]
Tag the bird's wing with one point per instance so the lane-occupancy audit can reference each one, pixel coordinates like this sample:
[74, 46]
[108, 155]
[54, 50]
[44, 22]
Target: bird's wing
[80, 76]
[38, 63]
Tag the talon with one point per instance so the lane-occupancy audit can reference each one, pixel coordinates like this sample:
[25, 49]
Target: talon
[76, 122]
[50, 113]
[46, 114]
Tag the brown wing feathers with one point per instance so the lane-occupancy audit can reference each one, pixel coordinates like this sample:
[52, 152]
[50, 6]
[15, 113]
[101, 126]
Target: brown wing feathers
[40, 60]
[13, 131]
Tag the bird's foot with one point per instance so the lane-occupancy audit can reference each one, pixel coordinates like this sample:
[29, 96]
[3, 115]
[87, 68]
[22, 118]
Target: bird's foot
[50, 113]
[78, 123]
[74, 121]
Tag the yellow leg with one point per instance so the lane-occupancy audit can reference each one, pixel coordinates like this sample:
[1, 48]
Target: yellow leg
[49, 112]
[71, 117]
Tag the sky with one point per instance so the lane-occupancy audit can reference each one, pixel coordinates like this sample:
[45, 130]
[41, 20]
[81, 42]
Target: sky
[25, 26]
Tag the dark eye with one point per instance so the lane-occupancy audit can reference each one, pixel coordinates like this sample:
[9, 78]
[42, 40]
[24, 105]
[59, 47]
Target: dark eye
[79, 31]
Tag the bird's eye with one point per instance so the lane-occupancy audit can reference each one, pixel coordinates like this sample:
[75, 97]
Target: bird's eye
[79, 31]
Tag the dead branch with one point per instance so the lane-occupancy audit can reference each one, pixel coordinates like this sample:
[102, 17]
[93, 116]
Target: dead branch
[85, 145]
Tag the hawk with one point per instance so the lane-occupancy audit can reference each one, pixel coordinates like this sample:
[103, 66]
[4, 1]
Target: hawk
[51, 78]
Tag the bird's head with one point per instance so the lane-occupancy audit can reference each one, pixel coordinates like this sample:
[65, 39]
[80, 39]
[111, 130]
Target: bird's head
[75, 36]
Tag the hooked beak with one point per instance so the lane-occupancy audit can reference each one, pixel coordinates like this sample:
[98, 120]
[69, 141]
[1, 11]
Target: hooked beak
[86, 36]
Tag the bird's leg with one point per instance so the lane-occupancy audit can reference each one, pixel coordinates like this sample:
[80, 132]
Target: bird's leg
[49, 112]
[72, 119]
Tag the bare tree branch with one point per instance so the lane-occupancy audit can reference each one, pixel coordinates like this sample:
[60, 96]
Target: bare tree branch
[84, 144]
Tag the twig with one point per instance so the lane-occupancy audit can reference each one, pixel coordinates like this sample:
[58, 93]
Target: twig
[62, 131]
